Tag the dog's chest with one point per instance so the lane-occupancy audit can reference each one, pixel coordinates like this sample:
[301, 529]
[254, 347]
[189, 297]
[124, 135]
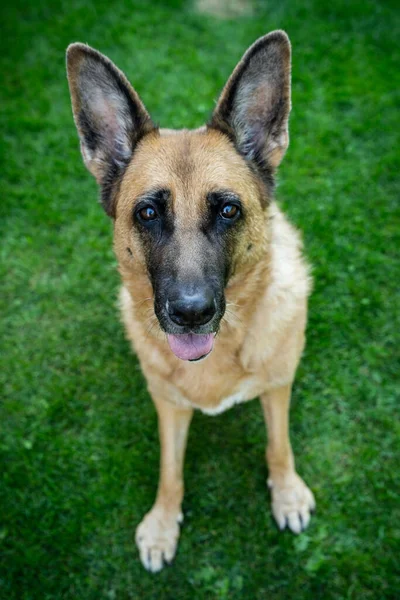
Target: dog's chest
[215, 392]
[247, 389]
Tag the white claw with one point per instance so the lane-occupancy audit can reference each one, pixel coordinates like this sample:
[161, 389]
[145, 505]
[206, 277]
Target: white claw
[305, 518]
[156, 561]
[292, 502]
[280, 519]
[294, 522]
[156, 539]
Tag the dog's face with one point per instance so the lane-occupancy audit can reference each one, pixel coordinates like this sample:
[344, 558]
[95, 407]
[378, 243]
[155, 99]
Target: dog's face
[189, 212]
[190, 207]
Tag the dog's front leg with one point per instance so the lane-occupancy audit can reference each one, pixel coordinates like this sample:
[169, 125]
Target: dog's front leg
[158, 533]
[292, 500]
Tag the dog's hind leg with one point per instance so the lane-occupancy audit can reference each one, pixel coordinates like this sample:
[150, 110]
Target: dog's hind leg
[292, 500]
[158, 533]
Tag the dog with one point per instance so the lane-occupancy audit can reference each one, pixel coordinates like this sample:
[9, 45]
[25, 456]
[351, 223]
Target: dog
[215, 288]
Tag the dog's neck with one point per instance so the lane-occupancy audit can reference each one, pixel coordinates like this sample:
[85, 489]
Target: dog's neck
[243, 296]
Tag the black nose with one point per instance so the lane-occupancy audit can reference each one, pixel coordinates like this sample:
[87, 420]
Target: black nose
[192, 308]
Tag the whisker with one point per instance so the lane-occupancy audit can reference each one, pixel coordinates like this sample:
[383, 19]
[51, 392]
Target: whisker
[149, 330]
[227, 322]
[232, 304]
[149, 319]
[143, 301]
[230, 312]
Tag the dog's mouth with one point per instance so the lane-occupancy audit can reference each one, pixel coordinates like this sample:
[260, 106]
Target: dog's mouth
[191, 346]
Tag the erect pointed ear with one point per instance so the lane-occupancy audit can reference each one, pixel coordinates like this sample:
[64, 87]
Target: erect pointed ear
[253, 109]
[109, 116]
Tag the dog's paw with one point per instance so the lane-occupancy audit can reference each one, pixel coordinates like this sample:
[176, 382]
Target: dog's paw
[292, 502]
[157, 538]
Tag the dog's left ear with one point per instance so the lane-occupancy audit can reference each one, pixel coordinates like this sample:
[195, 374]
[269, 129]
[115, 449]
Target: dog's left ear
[253, 109]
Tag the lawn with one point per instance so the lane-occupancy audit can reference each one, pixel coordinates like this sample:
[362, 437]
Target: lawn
[78, 438]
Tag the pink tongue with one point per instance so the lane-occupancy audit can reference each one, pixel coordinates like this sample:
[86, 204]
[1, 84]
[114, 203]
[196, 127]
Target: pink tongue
[189, 346]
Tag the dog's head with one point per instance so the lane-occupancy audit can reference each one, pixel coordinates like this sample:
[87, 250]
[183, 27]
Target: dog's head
[190, 207]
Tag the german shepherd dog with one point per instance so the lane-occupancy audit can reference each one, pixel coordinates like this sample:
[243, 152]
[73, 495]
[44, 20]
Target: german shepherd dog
[214, 295]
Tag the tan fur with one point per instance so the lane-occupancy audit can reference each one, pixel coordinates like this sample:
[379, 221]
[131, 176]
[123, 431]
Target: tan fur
[267, 294]
[262, 334]
[261, 338]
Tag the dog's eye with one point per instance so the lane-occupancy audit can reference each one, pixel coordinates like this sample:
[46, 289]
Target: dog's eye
[230, 211]
[147, 213]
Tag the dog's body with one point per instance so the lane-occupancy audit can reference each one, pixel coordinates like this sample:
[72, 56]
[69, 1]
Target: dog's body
[207, 258]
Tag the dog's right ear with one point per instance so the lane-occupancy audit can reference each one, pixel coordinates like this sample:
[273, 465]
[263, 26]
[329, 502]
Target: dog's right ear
[109, 116]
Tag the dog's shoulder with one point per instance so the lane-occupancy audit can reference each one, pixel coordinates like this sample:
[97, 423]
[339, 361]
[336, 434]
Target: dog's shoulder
[282, 308]
[290, 272]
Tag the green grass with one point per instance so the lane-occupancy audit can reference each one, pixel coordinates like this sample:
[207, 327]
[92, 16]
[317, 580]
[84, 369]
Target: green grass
[78, 431]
